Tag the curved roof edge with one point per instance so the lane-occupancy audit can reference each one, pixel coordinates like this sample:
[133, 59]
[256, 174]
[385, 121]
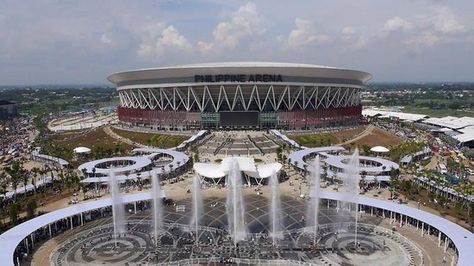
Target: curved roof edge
[115, 77]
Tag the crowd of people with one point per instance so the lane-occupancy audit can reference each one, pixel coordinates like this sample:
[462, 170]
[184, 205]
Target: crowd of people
[16, 135]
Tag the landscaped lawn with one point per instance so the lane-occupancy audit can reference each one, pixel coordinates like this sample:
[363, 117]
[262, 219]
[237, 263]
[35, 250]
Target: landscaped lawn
[152, 139]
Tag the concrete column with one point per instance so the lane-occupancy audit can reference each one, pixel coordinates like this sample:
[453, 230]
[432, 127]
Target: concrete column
[72, 225]
[422, 228]
[135, 207]
[32, 240]
[27, 246]
[446, 244]
[50, 234]
[439, 238]
[82, 219]
[371, 211]
[417, 222]
[401, 220]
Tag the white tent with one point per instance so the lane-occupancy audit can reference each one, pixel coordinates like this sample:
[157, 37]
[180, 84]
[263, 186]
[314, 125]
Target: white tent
[82, 150]
[379, 149]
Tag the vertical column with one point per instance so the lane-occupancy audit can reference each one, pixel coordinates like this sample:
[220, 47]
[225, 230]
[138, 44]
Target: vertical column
[446, 244]
[422, 228]
[27, 246]
[82, 219]
[72, 225]
[50, 234]
[135, 207]
[439, 238]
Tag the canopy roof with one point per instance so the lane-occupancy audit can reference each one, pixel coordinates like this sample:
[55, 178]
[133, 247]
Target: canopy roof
[245, 164]
[380, 149]
[82, 150]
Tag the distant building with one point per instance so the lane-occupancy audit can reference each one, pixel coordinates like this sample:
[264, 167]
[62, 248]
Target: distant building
[8, 109]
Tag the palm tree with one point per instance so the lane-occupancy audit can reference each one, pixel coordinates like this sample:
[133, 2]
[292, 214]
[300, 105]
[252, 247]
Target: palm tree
[33, 180]
[14, 173]
[3, 184]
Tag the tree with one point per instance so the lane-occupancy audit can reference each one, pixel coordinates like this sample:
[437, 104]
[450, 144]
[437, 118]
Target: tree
[14, 171]
[13, 212]
[363, 175]
[31, 208]
[394, 174]
[35, 171]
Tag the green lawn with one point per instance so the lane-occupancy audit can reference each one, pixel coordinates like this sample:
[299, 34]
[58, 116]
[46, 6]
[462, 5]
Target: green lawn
[314, 140]
[157, 140]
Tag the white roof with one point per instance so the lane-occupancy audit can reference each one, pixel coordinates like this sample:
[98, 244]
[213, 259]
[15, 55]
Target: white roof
[400, 115]
[246, 165]
[191, 139]
[36, 153]
[287, 69]
[380, 149]
[209, 170]
[451, 122]
[138, 162]
[383, 165]
[266, 170]
[285, 138]
[82, 150]
[462, 138]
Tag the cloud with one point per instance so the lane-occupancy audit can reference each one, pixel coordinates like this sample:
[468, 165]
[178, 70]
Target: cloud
[56, 41]
[348, 31]
[105, 39]
[426, 39]
[303, 34]
[245, 22]
[444, 20]
[158, 38]
[397, 24]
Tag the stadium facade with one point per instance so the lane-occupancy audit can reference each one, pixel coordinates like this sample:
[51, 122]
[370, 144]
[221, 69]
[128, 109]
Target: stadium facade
[240, 95]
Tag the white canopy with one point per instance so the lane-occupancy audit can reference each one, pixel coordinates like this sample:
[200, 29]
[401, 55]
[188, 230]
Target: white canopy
[246, 165]
[82, 150]
[380, 149]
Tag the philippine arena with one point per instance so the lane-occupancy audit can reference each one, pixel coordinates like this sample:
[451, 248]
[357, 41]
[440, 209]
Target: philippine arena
[240, 95]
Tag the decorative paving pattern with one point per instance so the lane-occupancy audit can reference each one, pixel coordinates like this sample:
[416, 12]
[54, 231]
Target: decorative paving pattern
[177, 245]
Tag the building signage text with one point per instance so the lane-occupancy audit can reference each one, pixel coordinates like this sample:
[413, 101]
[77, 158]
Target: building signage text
[238, 78]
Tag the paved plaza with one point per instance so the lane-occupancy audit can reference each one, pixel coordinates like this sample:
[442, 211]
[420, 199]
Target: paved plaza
[336, 246]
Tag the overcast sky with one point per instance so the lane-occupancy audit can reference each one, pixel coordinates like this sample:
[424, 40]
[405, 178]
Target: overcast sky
[82, 41]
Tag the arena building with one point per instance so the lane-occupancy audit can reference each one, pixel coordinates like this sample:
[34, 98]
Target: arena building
[240, 95]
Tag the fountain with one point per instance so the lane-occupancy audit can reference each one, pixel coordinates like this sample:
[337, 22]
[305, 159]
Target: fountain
[118, 212]
[275, 210]
[235, 206]
[312, 210]
[197, 206]
[350, 187]
[156, 201]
